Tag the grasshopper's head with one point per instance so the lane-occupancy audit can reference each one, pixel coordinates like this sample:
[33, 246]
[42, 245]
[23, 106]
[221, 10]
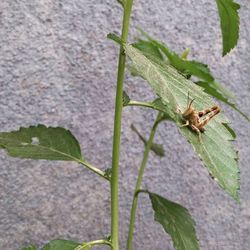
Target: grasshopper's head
[189, 111]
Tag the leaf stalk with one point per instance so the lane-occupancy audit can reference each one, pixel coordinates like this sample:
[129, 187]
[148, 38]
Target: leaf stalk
[96, 242]
[94, 169]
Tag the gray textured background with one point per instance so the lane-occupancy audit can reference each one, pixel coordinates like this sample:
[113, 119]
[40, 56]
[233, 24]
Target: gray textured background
[57, 68]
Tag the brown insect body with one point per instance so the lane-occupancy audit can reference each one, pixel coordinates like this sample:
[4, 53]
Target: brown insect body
[192, 117]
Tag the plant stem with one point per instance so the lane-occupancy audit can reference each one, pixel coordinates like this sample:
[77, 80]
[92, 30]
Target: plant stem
[97, 242]
[117, 130]
[141, 104]
[150, 105]
[94, 169]
[138, 183]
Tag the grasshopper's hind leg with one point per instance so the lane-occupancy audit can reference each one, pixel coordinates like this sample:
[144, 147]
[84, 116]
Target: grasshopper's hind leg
[215, 109]
[212, 112]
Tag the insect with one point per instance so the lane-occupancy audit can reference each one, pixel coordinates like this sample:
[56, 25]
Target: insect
[192, 117]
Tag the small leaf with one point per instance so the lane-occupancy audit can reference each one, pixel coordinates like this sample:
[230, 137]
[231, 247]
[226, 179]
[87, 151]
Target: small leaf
[125, 99]
[41, 142]
[61, 245]
[176, 221]
[108, 238]
[216, 149]
[29, 248]
[156, 148]
[108, 173]
[229, 21]
[185, 53]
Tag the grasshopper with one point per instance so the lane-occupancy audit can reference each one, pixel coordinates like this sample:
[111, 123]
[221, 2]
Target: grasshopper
[192, 117]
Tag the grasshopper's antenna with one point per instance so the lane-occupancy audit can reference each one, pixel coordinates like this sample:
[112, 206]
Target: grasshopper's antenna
[189, 103]
[188, 99]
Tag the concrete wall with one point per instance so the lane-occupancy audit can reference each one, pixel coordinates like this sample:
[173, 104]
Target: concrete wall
[57, 68]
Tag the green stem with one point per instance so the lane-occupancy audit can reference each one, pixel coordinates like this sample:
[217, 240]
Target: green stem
[141, 104]
[117, 130]
[94, 169]
[152, 106]
[138, 183]
[97, 242]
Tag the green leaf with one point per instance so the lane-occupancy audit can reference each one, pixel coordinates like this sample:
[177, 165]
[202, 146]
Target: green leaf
[156, 148]
[202, 71]
[29, 248]
[187, 68]
[213, 90]
[176, 221]
[216, 149]
[108, 173]
[148, 48]
[62, 245]
[125, 99]
[195, 68]
[41, 142]
[229, 21]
